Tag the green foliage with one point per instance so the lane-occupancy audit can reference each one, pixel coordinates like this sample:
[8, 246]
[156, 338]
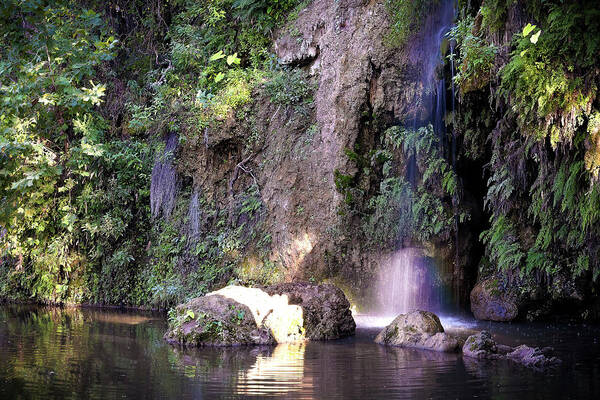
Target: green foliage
[266, 13]
[403, 211]
[237, 316]
[71, 194]
[407, 17]
[543, 151]
[213, 109]
[475, 61]
[392, 216]
[547, 80]
[504, 249]
[290, 88]
[184, 266]
[80, 113]
[554, 236]
[179, 316]
[494, 14]
[189, 315]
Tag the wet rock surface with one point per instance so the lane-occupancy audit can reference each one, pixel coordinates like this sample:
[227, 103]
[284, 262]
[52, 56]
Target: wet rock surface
[534, 357]
[418, 329]
[482, 346]
[237, 315]
[490, 303]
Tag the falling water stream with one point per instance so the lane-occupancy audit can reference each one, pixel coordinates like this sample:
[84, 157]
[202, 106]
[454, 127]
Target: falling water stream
[410, 280]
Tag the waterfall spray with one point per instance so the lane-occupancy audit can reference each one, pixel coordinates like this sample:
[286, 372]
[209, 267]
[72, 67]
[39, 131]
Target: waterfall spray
[410, 282]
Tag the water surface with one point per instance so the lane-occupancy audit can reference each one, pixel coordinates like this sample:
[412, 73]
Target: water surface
[90, 353]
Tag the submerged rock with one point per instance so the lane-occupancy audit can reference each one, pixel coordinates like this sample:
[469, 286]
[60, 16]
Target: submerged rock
[489, 302]
[482, 346]
[237, 315]
[418, 329]
[534, 357]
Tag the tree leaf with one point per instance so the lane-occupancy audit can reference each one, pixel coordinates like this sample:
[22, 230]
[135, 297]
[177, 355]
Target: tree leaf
[217, 56]
[233, 59]
[535, 37]
[528, 29]
[219, 77]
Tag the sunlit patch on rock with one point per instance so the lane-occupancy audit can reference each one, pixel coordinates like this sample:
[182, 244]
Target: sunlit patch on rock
[282, 313]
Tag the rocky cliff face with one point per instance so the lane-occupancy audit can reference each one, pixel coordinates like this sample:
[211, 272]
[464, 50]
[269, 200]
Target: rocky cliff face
[339, 47]
[362, 85]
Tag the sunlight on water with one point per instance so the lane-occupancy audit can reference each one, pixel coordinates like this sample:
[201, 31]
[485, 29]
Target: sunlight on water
[280, 372]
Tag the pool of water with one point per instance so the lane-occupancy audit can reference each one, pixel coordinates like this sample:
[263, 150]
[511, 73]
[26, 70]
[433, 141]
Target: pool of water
[90, 353]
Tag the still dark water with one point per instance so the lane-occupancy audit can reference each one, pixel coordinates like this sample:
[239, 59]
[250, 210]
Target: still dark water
[89, 353]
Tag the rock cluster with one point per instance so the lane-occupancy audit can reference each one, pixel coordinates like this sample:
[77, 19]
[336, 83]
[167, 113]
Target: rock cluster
[423, 330]
[418, 329]
[326, 310]
[237, 315]
[482, 346]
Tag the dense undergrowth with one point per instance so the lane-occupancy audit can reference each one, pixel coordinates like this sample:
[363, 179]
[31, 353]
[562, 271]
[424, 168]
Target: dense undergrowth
[92, 92]
[543, 194]
[407, 206]
[89, 92]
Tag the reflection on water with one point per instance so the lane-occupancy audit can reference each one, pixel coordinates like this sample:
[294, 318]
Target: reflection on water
[85, 353]
[280, 372]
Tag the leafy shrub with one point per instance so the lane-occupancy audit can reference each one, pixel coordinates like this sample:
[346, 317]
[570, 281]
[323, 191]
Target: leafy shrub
[476, 57]
[403, 211]
[290, 88]
[538, 81]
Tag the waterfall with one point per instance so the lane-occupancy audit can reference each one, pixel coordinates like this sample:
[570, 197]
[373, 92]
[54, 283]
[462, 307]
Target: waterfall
[163, 185]
[410, 280]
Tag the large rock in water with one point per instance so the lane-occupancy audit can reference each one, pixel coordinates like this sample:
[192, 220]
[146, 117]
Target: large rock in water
[418, 329]
[237, 315]
[489, 302]
[482, 346]
[534, 357]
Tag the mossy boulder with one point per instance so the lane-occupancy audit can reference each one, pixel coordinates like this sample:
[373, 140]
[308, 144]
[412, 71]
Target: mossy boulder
[491, 303]
[237, 315]
[482, 346]
[418, 329]
[216, 320]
